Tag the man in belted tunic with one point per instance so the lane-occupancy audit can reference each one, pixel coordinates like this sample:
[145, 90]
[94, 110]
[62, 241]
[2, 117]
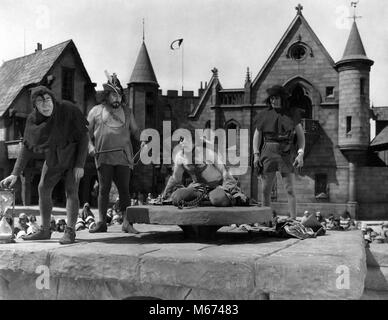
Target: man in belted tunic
[111, 124]
[273, 145]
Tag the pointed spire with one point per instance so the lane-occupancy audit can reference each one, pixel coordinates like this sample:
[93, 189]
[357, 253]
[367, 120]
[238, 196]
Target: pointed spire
[143, 72]
[354, 46]
[354, 49]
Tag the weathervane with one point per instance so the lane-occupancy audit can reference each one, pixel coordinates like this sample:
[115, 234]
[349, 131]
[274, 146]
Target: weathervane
[354, 5]
[143, 30]
[299, 9]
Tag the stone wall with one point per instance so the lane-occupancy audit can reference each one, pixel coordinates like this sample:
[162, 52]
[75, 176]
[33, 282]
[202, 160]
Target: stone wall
[372, 192]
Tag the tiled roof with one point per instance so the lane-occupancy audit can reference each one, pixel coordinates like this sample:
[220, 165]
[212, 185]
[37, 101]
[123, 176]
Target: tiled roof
[17, 73]
[143, 72]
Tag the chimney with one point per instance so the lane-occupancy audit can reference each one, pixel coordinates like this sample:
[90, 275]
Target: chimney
[38, 47]
[200, 90]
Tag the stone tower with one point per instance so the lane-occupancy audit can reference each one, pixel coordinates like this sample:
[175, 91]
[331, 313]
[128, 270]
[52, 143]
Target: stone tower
[354, 69]
[353, 115]
[143, 91]
[143, 99]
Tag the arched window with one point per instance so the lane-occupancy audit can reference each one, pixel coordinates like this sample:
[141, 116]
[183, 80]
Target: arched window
[232, 136]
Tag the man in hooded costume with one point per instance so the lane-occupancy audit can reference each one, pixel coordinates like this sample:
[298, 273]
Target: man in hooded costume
[59, 131]
[111, 124]
[278, 127]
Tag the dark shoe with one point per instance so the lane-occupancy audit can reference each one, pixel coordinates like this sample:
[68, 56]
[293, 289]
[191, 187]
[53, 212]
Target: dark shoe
[42, 234]
[100, 227]
[68, 237]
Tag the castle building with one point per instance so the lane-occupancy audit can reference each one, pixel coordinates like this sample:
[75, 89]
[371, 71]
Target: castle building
[342, 169]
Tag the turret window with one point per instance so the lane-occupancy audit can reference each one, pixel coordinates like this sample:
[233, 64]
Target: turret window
[362, 86]
[348, 124]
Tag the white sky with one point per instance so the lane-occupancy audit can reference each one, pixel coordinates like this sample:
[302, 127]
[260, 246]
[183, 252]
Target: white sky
[228, 34]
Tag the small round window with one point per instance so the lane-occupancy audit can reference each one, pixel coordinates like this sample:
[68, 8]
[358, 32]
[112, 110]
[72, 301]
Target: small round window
[298, 52]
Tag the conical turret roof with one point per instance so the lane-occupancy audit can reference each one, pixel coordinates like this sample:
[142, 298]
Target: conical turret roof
[354, 49]
[143, 72]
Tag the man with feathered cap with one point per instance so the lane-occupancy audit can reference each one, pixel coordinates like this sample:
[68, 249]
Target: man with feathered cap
[111, 124]
[278, 127]
[59, 131]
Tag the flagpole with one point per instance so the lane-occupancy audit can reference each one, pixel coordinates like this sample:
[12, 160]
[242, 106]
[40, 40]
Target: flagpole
[182, 65]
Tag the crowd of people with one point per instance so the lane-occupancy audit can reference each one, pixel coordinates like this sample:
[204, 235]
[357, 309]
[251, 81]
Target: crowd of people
[375, 234]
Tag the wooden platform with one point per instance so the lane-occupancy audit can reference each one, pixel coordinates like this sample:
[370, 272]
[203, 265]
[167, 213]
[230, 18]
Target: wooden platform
[200, 222]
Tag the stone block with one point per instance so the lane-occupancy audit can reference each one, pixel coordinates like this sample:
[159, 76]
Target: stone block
[209, 216]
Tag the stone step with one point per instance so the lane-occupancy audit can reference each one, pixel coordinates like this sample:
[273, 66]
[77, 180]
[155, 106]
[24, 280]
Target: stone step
[158, 263]
[377, 278]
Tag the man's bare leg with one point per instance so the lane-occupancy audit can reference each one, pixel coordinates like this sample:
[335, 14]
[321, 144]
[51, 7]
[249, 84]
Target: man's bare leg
[289, 183]
[267, 180]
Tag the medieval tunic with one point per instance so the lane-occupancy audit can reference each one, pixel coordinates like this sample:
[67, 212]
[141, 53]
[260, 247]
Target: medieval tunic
[111, 129]
[278, 131]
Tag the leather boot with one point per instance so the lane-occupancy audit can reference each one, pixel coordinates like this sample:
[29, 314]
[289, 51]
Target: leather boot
[68, 237]
[44, 233]
[100, 227]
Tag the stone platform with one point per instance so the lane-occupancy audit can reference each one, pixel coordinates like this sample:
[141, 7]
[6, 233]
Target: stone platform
[160, 263]
[199, 222]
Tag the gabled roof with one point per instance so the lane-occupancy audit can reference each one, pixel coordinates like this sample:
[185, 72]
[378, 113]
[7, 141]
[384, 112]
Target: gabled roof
[380, 142]
[28, 70]
[298, 20]
[143, 72]
[202, 100]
